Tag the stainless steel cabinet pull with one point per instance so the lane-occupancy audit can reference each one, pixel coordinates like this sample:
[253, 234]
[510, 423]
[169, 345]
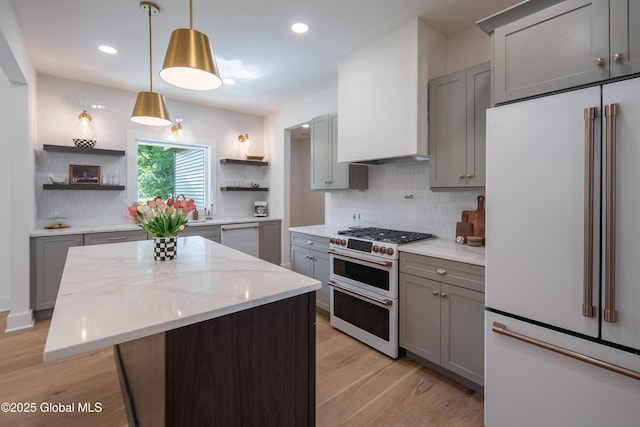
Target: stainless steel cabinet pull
[352, 292]
[117, 239]
[610, 111]
[461, 176]
[240, 228]
[601, 62]
[444, 295]
[384, 263]
[587, 293]
[502, 329]
[435, 293]
[618, 57]
[470, 175]
[309, 242]
[441, 271]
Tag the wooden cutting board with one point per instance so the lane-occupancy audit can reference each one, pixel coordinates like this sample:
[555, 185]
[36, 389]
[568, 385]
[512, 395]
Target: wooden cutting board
[476, 218]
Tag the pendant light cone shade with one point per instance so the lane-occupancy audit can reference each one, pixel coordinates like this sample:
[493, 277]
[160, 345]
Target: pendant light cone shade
[150, 110]
[189, 62]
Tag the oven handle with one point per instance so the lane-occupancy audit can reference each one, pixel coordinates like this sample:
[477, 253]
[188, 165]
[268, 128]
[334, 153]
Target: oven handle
[383, 263]
[386, 302]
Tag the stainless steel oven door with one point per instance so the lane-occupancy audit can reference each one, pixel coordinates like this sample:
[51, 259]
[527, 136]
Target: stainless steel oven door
[366, 317]
[367, 272]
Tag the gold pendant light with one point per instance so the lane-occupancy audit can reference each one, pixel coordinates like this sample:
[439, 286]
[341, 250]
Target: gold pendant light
[150, 108]
[189, 62]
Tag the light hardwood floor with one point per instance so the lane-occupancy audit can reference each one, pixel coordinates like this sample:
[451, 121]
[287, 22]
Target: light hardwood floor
[356, 386]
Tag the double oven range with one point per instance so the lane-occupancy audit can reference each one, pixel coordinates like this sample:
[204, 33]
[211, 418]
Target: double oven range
[364, 284]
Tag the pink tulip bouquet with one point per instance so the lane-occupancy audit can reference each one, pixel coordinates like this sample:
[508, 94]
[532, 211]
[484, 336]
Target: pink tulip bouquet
[160, 218]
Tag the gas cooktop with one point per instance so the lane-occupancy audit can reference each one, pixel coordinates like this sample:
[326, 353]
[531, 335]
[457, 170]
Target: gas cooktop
[384, 235]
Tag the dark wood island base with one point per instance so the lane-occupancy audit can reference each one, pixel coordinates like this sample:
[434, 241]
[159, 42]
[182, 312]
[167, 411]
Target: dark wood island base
[255, 367]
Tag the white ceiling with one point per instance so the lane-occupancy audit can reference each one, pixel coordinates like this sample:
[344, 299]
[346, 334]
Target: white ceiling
[250, 37]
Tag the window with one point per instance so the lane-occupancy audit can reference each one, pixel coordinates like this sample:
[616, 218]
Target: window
[168, 169]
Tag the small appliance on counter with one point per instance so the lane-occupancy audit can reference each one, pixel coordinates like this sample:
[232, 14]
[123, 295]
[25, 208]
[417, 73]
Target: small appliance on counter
[260, 208]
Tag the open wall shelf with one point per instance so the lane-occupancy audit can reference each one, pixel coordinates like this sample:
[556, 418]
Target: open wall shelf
[242, 162]
[79, 150]
[82, 187]
[243, 189]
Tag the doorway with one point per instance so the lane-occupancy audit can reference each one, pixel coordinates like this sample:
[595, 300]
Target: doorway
[306, 206]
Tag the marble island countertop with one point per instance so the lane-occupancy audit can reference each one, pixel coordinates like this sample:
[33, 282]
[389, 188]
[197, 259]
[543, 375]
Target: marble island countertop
[110, 294]
[132, 227]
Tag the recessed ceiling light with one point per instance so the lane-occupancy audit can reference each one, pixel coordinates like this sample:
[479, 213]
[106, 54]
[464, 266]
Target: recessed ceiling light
[228, 81]
[107, 49]
[306, 125]
[300, 28]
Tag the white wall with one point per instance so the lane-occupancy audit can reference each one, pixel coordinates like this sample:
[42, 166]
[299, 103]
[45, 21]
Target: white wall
[18, 123]
[468, 48]
[5, 176]
[59, 103]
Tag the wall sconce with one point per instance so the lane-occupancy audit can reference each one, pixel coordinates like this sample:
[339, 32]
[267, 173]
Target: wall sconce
[177, 130]
[244, 138]
[85, 118]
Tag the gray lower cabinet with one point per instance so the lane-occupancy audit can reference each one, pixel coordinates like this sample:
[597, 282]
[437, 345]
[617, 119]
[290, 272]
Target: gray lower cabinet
[573, 43]
[48, 255]
[457, 112]
[326, 172]
[442, 313]
[211, 232]
[270, 242]
[114, 237]
[309, 257]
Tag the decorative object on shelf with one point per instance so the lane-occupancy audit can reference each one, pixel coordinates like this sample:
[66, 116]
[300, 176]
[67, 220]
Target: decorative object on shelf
[244, 139]
[260, 208]
[189, 62]
[84, 174]
[163, 221]
[57, 180]
[150, 108]
[84, 143]
[254, 158]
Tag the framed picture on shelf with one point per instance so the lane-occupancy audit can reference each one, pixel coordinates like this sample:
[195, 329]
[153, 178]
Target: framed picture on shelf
[84, 174]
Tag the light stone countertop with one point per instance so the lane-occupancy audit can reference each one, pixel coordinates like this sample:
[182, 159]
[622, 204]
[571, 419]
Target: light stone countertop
[446, 249]
[132, 227]
[322, 230]
[110, 294]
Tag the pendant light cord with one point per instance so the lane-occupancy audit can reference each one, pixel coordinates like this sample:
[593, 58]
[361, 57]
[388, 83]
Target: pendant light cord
[191, 14]
[150, 55]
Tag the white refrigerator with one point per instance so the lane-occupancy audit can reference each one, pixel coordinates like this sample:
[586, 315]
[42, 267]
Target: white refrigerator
[562, 323]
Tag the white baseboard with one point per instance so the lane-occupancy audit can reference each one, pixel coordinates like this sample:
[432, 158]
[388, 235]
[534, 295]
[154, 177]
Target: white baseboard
[17, 321]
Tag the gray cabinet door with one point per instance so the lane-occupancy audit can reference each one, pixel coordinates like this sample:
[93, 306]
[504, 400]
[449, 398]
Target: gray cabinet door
[462, 326]
[321, 272]
[326, 172]
[553, 49]
[49, 255]
[320, 153]
[269, 245]
[301, 261]
[624, 37]
[309, 257]
[478, 100]
[420, 316]
[447, 130]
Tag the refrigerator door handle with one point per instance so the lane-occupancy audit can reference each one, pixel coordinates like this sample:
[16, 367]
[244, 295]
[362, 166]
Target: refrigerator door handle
[499, 328]
[590, 115]
[610, 111]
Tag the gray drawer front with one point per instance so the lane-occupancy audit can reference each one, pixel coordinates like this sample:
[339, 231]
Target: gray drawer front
[454, 273]
[310, 241]
[114, 237]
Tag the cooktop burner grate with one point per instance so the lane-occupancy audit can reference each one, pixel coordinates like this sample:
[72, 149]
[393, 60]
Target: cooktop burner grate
[384, 235]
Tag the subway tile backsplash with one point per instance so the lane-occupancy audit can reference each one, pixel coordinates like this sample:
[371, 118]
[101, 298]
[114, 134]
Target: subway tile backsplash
[399, 197]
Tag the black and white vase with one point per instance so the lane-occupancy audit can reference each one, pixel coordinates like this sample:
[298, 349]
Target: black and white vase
[165, 248]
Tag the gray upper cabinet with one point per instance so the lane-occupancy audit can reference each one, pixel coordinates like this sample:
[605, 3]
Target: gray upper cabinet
[457, 111]
[563, 46]
[326, 172]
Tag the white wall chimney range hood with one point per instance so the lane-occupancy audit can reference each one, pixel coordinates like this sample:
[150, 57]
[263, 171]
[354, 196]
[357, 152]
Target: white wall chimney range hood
[383, 99]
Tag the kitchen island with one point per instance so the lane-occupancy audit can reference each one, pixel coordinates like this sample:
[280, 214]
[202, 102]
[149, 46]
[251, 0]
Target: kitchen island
[214, 337]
